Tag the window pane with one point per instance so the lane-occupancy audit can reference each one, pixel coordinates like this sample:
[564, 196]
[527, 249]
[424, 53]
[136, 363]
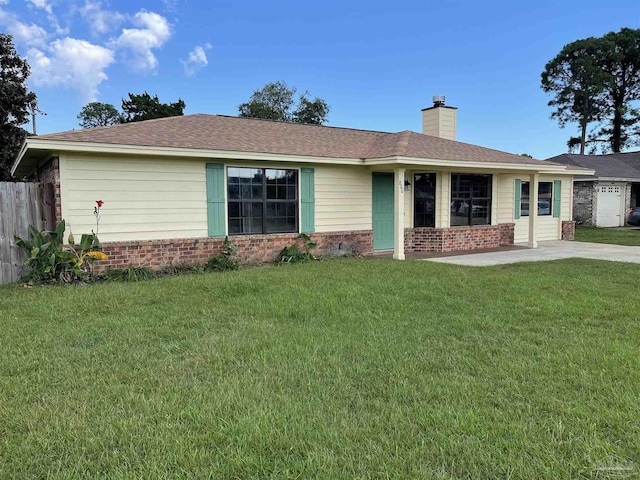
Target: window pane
[424, 199]
[545, 195]
[524, 199]
[254, 225]
[249, 203]
[234, 192]
[480, 212]
[470, 199]
[234, 227]
[234, 209]
[459, 212]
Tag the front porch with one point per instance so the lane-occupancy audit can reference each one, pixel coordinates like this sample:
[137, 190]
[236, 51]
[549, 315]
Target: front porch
[423, 209]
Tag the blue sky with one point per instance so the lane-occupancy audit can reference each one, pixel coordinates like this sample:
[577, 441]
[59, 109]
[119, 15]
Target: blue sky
[377, 64]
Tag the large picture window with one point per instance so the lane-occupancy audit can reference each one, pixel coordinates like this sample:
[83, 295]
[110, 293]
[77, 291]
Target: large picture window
[424, 198]
[262, 200]
[545, 198]
[470, 199]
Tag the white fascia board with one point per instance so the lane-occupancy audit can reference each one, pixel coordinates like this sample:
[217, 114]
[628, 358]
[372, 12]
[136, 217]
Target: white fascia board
[618, 179]
[21, 153]
[119, 149]
[558, 169]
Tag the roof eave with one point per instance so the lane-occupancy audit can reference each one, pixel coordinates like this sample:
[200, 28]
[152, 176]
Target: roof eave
[44, 145]
[145, 150]
[531, 167]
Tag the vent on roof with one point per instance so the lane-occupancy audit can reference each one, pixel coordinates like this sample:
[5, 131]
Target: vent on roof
[438, 100]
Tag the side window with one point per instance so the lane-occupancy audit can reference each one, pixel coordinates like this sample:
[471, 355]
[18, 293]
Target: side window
[545, 199]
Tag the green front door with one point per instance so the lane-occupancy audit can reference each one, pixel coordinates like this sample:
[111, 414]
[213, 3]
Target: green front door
[382, 211]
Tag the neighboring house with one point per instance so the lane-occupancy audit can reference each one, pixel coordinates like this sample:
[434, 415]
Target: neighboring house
[173, 188]
[604, 200]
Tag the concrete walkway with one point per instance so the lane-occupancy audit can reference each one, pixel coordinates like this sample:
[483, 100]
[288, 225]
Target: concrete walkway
[553, 250]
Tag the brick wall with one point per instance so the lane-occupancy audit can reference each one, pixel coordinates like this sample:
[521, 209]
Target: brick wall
[585, 204]
[568, 230]
[458, 238]
[251, 248]
[50, 173]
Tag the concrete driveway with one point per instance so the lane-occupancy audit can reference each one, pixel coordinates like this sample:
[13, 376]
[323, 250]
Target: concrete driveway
[554, 250]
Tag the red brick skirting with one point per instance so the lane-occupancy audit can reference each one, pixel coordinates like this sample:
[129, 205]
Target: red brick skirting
[265, 248]
[568, 230]
[457, 238]
[251, 248]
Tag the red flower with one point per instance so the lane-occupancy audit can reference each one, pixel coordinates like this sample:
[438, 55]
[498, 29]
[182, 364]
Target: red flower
[100, 203]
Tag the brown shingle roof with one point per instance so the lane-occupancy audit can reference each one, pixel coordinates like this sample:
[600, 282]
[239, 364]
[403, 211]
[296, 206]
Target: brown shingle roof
[218, 132]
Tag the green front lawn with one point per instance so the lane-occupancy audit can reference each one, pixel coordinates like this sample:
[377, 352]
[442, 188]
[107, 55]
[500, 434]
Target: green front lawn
[608, 235]
[342, 369]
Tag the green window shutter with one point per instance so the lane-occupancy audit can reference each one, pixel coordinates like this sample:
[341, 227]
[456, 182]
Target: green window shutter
[518, 198]
[307, 200]
[557, 193]
[215, 199]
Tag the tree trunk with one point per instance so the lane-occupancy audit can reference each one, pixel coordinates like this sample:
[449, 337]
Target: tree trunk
[583, 137]
[616, 137]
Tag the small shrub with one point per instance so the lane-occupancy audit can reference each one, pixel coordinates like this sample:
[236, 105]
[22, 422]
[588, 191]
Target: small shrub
[129, 274]
[51, 261]
[227, 259]
[180, 269]
[293, 254]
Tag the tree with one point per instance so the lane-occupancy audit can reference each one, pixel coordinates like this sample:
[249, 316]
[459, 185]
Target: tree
[578, 84]
[145, 107]
[14, 103]
[314, 112]
[96, 114]
[275, 101]
[595, 80]
[620, 63]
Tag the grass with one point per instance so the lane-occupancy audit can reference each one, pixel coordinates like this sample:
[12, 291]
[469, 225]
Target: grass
[342, 369]
[608, 235]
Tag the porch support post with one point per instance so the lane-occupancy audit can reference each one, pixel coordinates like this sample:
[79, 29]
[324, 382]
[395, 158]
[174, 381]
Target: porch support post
[398, 218]
[533, 209]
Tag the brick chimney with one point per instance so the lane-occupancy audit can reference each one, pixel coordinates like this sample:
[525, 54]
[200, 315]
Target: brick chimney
[440, 120]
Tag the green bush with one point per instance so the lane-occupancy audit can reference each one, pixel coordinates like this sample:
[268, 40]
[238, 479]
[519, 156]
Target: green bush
[227, 259]
[180, 269]
[129, 274]
[293, 254]
[51, 261]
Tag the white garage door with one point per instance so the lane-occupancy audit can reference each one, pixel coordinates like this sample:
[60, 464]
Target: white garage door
[609, 205]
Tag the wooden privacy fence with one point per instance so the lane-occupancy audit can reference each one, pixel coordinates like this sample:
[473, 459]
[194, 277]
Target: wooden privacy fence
[21, 205]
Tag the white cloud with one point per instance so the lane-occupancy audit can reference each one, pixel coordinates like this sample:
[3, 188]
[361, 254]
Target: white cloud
[4, 2]
[170, 5]
[196, 60]
[31, 35]
[100, 19]
[42, 4]
[137, 43]
[70, 62]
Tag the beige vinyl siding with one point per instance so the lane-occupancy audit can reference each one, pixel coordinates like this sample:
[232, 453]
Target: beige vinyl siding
[408, 200]
[505, 198]
[548, 227]
[343, 198]
[151, 199]
[443, 199]
[145, 199]
[566, 202]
